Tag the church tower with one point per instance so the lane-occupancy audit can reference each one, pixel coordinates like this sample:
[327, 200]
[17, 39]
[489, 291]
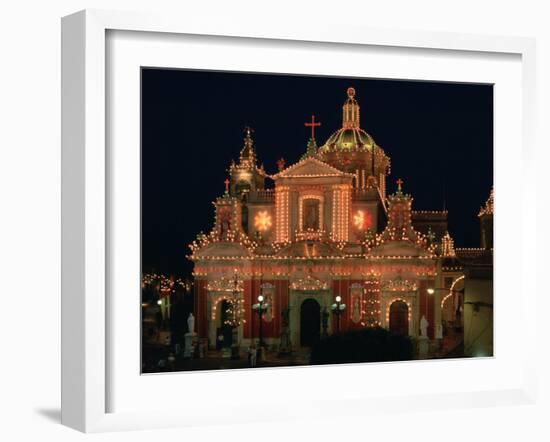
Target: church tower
[246, 176]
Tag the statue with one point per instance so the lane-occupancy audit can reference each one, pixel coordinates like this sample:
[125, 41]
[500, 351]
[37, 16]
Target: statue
[191, 323]
[189, 338]
[424, 327]
[439, 331]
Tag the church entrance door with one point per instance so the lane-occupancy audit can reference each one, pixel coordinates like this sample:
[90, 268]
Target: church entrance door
[399, 318]
[224, 329]
[310, 322]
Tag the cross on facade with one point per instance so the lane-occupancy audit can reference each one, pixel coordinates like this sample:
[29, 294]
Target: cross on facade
[313, 125]
[226, 182]
[399, 182]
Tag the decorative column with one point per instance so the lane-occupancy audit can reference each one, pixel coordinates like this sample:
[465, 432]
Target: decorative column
[282, 203]
[341, 197]
[372, 301]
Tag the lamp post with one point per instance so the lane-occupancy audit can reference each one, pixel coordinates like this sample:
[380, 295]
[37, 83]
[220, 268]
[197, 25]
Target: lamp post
[338, 308]
[260, 307]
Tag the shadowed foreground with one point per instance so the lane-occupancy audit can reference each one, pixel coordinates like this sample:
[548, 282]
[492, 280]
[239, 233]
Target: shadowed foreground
[369, 345]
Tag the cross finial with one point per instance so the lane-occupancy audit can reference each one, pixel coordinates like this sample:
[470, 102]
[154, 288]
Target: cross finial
[281, 164]
[399, 183]
[313, 125]
[226, 182]
[248, 131]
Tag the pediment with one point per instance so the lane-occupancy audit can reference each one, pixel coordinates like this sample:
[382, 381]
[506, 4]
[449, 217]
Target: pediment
[310, 167]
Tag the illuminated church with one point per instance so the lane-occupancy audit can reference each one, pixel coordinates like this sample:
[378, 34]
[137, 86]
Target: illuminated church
[322, 228]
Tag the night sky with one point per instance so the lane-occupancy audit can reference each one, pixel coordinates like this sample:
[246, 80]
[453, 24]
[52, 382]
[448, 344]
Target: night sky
[439, 137]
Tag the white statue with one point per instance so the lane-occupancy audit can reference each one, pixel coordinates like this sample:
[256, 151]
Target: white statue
[439, 331]
[424, 327]
[191, 323]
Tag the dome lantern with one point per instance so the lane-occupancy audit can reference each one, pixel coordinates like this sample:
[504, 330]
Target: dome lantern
[350, 114]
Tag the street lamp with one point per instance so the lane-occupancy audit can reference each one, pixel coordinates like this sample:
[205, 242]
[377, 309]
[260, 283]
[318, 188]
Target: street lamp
[338, 308]
[260, 307]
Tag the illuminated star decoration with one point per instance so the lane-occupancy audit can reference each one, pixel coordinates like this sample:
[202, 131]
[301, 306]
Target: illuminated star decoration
[262, 220]
[362, 219]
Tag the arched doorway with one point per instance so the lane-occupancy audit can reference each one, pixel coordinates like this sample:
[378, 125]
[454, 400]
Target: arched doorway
[399, 317]
[310, 322]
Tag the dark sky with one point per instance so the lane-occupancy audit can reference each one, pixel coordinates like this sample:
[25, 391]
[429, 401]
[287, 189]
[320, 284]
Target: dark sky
[439, 137]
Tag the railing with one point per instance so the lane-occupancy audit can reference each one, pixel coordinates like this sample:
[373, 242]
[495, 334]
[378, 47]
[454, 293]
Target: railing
[429, 215]
[262, 196]
[310, 235]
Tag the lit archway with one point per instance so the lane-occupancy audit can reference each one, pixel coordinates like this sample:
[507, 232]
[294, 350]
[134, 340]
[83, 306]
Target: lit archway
[452, 302]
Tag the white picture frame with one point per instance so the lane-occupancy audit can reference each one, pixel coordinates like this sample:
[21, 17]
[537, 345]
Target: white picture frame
[86, 206]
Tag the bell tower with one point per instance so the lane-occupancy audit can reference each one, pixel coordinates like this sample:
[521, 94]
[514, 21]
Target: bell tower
[246, 176]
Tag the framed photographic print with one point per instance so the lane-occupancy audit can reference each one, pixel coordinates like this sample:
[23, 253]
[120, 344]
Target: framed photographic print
[253, 206]
[311, 254]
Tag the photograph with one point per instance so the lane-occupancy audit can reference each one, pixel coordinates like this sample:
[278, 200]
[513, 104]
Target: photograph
[301, 220]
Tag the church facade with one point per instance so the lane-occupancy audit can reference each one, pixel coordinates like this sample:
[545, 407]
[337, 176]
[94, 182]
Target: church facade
[326, 246]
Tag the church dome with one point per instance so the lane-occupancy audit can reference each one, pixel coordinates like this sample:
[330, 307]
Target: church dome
[352, 150]
[350, 136]
[346, 139]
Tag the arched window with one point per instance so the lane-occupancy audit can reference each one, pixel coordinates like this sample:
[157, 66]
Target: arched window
[242, 187]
